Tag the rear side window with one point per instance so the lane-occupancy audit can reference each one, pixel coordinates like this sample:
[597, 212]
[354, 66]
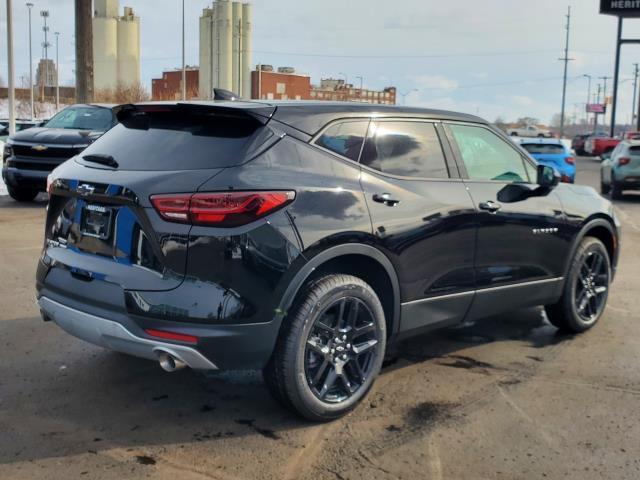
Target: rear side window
[344, 138]
[181, 139]
[407, 149]
[544, 148]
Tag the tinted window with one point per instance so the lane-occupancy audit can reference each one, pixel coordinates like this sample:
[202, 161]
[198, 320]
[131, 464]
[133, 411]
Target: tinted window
[544, 148]
[634, 151]
[486, 156]
[173, 139]
[408, 149]
[344, 138]
[82, 118]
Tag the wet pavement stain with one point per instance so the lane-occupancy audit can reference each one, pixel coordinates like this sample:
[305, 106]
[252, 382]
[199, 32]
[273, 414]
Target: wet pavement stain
[145, 460]
[461, 361]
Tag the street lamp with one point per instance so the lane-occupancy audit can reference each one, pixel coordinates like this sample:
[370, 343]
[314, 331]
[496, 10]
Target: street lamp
[361, 80]
[184, 70]
[57, 34]
[29, 6]
[404, 95]
[45, 14]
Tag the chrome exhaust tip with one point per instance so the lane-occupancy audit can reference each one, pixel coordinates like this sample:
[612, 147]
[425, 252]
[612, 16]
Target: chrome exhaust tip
[169, 363]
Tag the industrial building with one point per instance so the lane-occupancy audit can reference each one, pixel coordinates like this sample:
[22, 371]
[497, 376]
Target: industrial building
[225, 48]
[116, 46]
[169, 86]
[46, 74]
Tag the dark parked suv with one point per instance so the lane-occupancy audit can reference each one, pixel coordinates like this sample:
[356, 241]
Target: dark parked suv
[304, 238]
[31, 154]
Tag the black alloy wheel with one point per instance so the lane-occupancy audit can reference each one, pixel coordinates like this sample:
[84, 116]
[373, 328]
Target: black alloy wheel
[341, 353]
[592, 286]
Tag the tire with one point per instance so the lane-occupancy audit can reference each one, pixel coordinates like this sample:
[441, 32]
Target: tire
[586, 289]
[616, 191]
[541, 135]
[22, 194]
[326, 359]
[604, 188]
[514, 134]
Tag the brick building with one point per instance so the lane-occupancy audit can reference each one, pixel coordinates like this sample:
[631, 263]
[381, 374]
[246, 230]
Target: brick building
[333, 89]
[283, 84]
[169, 87]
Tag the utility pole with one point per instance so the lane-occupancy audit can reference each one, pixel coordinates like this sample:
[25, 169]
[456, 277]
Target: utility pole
[604, 100]
[12, 91]
[566, 61]
[29, 6]
[84, 51]
[595, 122]
[57, 34]
[588, 100]
[184, 68]
[635, 91]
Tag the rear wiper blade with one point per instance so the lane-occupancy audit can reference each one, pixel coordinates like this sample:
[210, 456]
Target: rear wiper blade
[101, 159]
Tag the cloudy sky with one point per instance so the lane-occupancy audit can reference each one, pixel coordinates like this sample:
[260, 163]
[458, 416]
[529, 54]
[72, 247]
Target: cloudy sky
[490, 57]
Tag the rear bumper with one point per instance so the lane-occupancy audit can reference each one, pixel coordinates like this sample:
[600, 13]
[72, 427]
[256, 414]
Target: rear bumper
[114, 336]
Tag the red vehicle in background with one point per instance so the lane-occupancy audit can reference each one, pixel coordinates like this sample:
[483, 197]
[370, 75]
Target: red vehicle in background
[596, 146]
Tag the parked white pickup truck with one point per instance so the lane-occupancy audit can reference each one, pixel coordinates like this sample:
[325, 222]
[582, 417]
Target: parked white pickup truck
[529, 131]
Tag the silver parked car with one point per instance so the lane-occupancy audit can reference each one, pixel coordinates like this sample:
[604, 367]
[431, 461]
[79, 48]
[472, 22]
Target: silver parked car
[621, 170]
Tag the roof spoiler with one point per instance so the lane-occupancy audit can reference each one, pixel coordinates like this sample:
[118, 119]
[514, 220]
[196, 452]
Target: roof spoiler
[259, 112]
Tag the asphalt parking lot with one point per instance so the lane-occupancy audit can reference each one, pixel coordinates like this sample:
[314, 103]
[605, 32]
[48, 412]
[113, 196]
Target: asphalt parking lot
[502, 399]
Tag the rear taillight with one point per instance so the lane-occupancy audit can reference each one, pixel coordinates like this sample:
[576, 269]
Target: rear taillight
[569, 160]
[624, 161]
[220, 209]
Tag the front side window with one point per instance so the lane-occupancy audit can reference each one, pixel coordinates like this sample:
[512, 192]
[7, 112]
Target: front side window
[344, 138]
[407, 149]
[486, 156]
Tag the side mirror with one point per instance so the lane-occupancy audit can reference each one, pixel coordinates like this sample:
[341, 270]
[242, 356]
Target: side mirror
[548, 176]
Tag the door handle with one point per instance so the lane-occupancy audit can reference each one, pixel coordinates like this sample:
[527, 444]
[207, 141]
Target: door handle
[386, 199]
[490, 206]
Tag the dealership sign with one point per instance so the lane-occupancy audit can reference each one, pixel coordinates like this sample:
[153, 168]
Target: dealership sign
[596, 108]
[621, 8]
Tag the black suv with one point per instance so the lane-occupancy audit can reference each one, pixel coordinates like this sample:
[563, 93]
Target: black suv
[31, 154]
[304, 238]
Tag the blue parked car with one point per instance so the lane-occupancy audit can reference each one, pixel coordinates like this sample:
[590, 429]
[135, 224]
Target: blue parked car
[552, 152]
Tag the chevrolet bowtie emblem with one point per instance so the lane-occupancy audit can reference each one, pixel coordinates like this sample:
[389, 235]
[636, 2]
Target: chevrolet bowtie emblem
[39, 148]
[85, 189]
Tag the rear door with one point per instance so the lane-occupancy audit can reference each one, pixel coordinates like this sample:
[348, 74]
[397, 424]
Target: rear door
[422, 218]
[521, 242]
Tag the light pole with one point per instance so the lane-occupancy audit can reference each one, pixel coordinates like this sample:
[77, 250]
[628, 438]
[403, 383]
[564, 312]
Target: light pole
[184, 68]
[12, 91]
[635, 92]
[29, 6]
[45, 14]
[57, 34]
[404, 95]
[589, 77]
[346, 80]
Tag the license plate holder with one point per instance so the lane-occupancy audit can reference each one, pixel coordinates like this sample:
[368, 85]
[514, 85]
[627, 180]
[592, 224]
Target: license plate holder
[96, 221]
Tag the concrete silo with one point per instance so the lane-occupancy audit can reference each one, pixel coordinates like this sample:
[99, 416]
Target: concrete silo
[128, 48]
[105, 52]
[225, 48]
[116, 46]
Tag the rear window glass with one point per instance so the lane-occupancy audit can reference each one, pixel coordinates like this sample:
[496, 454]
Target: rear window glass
[634, 151]
[181, 140]
[544, 148]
